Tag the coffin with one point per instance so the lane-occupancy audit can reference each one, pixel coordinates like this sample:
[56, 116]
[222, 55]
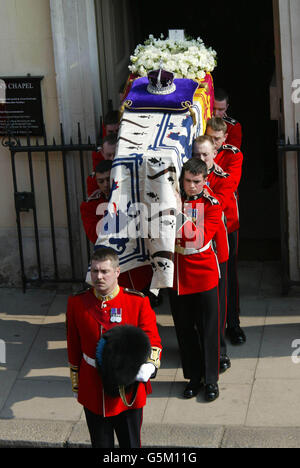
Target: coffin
[153, 144]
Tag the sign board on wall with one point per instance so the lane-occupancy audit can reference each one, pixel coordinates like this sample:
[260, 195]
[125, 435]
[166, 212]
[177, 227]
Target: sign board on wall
[21, 111]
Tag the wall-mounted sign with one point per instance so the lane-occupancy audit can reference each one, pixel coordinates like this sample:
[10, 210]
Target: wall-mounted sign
[21, 111]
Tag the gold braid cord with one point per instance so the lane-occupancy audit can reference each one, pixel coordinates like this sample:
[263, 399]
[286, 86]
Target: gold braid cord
[123, 395]
[154, 359]
[155, 356]
[188, 105]
[74, 378]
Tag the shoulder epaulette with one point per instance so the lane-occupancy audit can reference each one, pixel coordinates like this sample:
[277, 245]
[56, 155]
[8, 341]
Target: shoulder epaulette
[234, 149]
[81, 291]
[230, 120]
[212, 199]
[96, 195]
[133, 291]
[221, 173]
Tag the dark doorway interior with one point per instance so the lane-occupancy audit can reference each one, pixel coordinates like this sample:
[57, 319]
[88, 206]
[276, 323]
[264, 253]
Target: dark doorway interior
[242, 34]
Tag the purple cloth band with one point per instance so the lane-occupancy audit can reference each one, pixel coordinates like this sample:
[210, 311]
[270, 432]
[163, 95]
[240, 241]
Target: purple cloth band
[140, 99]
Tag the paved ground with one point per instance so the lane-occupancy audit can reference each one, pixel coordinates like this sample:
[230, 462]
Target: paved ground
[259, 396]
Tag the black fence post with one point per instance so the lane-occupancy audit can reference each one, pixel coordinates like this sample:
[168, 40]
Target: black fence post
[25, 201]
[51, 215]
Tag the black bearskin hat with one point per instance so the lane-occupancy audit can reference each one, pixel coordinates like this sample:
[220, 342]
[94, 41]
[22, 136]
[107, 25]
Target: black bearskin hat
[119, 354]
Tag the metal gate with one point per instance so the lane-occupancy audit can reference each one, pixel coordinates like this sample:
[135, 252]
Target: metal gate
[25, 201]
[284, 148]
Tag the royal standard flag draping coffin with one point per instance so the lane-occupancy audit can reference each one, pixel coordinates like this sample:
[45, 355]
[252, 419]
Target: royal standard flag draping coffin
[161, 118]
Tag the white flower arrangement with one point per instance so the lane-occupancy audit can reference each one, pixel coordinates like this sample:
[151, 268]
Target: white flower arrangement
[186, 59]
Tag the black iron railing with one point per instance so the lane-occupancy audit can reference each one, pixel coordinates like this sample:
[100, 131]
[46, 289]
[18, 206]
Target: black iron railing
[26, 201]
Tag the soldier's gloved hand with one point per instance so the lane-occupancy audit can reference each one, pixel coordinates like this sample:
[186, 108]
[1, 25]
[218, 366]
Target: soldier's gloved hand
[145, 372]
[218, 168]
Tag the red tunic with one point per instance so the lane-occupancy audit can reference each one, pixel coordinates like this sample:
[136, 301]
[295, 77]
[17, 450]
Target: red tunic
[221, 236]
[87, 320]
[89, 216]
[97, 157]
[234, 130]
[197, 272]
[137, 278]
[91, 184]
[230, 159]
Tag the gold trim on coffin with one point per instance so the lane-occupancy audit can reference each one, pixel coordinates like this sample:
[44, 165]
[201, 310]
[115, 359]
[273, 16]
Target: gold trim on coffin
[204, 85]
[186, 105]
[201, 96]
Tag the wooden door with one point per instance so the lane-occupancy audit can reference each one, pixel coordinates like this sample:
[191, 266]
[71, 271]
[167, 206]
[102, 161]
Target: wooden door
[115, 43]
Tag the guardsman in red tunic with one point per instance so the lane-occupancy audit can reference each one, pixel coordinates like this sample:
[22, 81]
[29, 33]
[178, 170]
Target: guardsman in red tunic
[219, 184]
[106, 152]
[234, 132]
[230, 160]
[89, 214]
[194, 297]
[89, 315]
[111, 122]
[234, 128]
[92, 212]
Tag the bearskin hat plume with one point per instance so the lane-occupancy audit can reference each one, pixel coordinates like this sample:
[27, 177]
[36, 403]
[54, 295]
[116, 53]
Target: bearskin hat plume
[119, 355]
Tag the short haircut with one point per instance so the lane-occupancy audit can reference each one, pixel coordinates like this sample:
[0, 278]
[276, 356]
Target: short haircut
[111, 139]
[217, 124]
[112, 117]
[195, 167]
[103, 166]
[221, 95]
[204, 139]
[106, 253]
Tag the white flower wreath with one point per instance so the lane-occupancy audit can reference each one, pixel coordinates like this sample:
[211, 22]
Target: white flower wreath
[186, 59]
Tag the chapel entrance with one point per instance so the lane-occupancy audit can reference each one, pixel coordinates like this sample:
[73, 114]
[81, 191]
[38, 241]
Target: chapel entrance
[242, 33]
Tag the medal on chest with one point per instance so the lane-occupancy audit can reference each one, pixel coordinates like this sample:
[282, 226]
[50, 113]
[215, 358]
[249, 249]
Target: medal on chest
[192, 214]
[116, 315]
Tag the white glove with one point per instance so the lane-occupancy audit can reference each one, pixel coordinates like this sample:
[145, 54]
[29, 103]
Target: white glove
[145, 372]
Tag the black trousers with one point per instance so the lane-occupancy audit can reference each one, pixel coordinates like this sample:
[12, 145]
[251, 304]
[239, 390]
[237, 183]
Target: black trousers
[233, 297]
[127, 426]
[197, 324]
[223, 306]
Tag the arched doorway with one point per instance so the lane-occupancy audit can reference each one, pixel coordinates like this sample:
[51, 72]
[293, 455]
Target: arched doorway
[242, 33]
